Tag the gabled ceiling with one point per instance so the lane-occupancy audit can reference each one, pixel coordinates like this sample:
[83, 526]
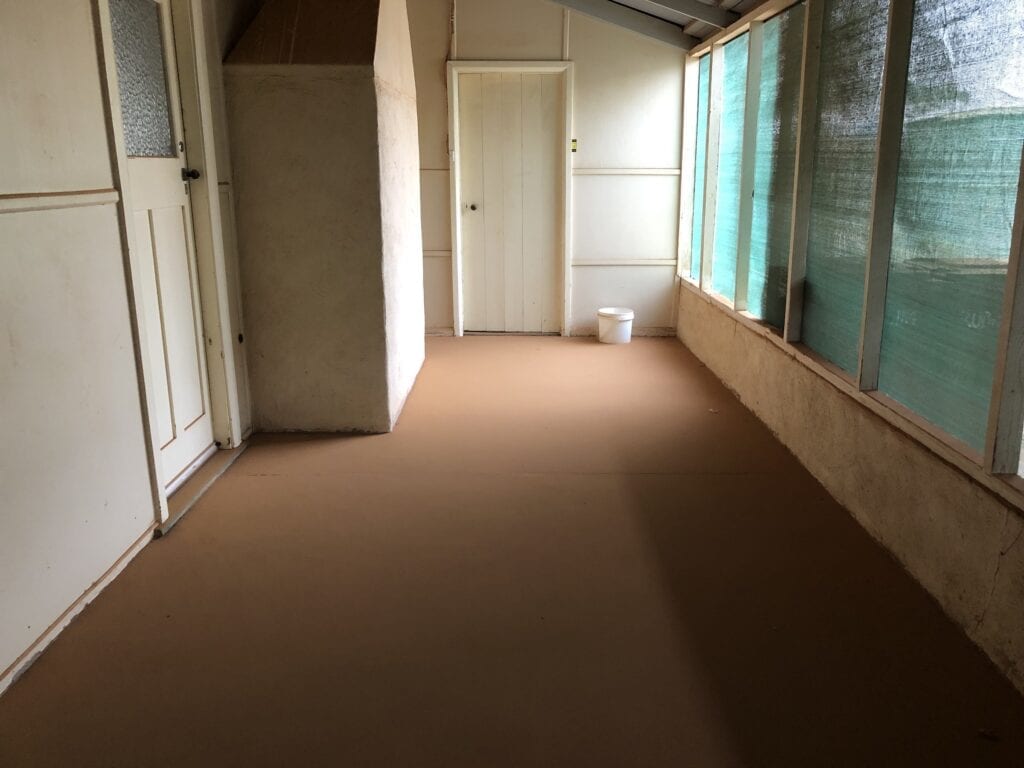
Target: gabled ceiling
[682, 23]
[310, 32]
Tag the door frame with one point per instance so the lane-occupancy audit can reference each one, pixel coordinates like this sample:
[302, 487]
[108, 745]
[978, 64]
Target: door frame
[456, 68]
[193, 49]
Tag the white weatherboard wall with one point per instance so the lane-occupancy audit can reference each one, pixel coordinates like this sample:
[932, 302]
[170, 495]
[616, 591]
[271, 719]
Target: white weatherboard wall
[75, 491]
[324, 147]
[628, 117]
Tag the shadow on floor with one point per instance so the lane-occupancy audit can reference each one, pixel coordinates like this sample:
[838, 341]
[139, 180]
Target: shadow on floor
[566, 555]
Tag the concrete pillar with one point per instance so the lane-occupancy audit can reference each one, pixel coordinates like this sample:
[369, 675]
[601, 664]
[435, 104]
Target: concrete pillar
[322, 112]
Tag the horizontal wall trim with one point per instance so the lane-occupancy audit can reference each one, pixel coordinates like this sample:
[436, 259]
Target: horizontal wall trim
[437, 254]
[899, 417]
[478, 66]
[51, 201]
[625, 263]
[626, 172]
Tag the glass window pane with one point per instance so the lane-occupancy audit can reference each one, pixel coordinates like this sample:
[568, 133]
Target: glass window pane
[730, 162]
[959, 165]
[139, 53]
[774, 164]
[849, 89]
[703, 93]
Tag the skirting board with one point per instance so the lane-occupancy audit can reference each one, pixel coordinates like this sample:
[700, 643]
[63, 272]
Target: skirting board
[10, 675]
[186, 496]
[199, 483]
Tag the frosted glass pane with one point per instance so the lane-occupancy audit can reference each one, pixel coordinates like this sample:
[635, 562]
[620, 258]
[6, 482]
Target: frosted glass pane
[139, 53]
[701, 164]
[730, 162]
[959, 165]
[775, 161]
[849, 89]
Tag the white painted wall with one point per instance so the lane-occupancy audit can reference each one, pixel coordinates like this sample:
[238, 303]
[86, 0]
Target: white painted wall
[399, 161]
[628, 107]
[75, 491]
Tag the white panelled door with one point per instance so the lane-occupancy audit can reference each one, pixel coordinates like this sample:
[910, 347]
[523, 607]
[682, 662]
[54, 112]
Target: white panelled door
[164, 239]
[511, 155]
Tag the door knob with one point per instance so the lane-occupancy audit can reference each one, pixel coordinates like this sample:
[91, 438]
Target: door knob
[472, 207]
[190, 174]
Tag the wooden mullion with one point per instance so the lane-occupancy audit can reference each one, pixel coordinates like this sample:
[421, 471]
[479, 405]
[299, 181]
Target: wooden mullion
[807, 134]
[883, 199]
[687, 165]
[1006, 411]
[711, 165]
[748, 162]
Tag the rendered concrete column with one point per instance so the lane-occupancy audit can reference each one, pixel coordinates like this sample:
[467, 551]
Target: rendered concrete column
[322, 115]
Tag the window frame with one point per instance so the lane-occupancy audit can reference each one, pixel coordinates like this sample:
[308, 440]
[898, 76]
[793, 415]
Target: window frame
[996, 468]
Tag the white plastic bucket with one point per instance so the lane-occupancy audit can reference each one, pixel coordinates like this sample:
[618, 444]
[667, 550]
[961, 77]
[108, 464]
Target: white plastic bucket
[614, 325]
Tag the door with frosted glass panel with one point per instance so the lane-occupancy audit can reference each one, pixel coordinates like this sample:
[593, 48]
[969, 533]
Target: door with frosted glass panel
[510, 161]
[165, 245]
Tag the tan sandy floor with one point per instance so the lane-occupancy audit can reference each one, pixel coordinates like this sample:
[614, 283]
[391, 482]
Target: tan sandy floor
[567, 555]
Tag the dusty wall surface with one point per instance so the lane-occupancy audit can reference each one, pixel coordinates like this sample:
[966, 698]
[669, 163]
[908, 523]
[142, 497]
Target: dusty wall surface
[305, 148]
[325, 169]
[964, 545]
[75, 490]
[310, 32]
[398, 147]
[628, 107]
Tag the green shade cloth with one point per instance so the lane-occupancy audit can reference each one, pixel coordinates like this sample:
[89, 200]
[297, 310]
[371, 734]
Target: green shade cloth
[957, 187]
[849, 89]
[730, 167]
[775, 161]
[701, 165]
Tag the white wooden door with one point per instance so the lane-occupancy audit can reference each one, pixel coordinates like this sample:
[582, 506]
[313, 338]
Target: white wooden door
[511, 171]
[164, 239]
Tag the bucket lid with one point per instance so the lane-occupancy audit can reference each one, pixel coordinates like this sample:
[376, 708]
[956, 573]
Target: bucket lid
[619, 313]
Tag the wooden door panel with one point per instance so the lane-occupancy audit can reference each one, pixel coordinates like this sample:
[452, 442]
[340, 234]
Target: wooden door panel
[177, 291]
[511, 130]
[545, 221]
[492, 205]
[164, 241]
[511, 154]
[474, 265]
[153, 327]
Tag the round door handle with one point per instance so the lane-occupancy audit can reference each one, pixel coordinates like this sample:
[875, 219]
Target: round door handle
[472, 207]
[190, 174]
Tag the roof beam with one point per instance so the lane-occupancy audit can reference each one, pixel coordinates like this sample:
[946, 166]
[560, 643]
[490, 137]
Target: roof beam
[628, 18]
[685, 11]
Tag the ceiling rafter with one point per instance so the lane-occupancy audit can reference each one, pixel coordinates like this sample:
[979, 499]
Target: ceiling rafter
[632, 19]
[685, 11]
